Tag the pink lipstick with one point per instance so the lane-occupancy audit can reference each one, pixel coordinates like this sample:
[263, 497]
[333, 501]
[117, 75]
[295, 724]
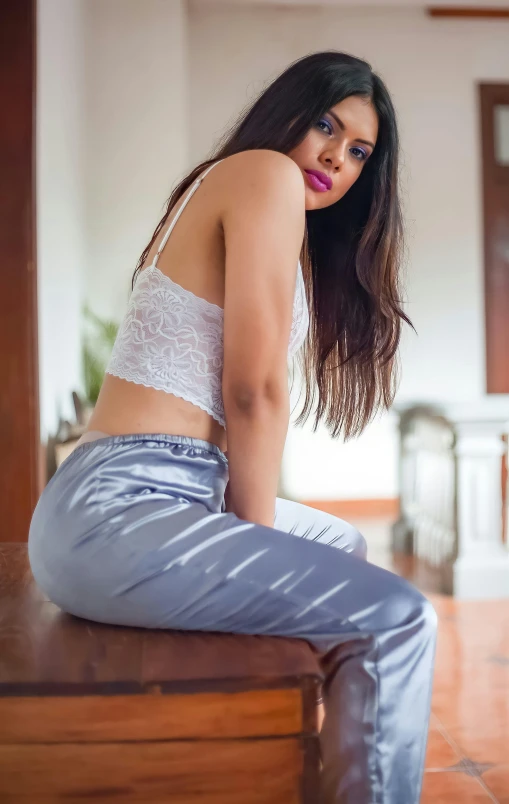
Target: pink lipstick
[319, 181]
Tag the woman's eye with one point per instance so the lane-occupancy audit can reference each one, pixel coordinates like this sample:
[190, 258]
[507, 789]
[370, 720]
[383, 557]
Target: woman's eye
[363, 155]
[329, 127]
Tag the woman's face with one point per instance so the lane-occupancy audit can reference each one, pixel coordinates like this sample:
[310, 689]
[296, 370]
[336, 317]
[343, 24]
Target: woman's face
[338, 148]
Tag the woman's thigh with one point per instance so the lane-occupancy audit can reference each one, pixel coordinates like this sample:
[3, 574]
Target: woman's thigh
[180, 566]
[318, 526]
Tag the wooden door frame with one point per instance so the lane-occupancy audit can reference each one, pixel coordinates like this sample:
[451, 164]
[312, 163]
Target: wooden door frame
[21, 478]
[494, 177]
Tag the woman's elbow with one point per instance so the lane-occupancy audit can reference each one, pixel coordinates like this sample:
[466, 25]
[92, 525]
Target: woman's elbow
[250, 398]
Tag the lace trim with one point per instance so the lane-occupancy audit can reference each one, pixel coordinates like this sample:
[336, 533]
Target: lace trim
[197, 300]
[172, 340]
[300, 321]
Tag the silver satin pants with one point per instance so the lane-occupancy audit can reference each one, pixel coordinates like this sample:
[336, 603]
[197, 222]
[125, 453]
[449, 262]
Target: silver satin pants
[132, 530]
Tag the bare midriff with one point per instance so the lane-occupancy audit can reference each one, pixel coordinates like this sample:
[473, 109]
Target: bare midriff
[194, 257]
[126, 407]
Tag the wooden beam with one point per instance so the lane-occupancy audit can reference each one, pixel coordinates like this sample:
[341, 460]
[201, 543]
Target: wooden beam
[385, 508]
[466, 12]
[19, 393]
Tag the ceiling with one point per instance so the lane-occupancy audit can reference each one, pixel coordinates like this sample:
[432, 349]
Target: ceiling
[358, 3]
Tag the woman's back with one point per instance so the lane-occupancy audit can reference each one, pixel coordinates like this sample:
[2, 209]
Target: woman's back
[194, 258]
[182, 285]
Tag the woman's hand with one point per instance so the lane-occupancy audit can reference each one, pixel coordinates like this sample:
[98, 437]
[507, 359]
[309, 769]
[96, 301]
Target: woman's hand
[227, 501]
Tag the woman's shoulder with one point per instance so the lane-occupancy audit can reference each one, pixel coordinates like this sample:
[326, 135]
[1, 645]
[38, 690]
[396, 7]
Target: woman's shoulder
[260, 165]
[260, 176]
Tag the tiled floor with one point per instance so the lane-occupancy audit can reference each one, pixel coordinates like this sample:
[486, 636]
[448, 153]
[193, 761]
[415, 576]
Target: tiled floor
[468, 747]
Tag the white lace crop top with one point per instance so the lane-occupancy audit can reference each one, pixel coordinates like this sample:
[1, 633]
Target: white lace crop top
[172, 340]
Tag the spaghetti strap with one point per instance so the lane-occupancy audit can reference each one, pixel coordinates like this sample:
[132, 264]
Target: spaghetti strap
[194, 187]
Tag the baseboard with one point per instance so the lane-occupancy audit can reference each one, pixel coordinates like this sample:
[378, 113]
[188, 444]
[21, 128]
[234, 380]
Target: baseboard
[386, 507]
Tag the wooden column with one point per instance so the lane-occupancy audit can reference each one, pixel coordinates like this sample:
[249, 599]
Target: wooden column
[19, 403]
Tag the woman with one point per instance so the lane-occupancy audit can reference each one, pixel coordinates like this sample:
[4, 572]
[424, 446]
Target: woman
[166, 515]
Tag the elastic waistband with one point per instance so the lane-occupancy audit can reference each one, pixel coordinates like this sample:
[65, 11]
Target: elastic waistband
[163, 438]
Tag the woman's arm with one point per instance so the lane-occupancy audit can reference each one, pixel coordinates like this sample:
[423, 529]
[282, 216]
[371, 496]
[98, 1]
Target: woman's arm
[263, 222]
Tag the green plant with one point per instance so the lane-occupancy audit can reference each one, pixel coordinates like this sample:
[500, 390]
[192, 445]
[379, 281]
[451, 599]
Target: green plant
[98, 339]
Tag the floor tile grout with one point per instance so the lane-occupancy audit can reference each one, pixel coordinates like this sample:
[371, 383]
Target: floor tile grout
[452, 742]
[489, 792]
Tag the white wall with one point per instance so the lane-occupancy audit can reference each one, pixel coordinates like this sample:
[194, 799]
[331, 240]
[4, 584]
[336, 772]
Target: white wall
[431, 68]
[60, 222]
[136, 135]
[111, 144]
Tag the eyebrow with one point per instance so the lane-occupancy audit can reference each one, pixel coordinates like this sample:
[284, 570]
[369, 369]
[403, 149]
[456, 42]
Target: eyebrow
[342, 127]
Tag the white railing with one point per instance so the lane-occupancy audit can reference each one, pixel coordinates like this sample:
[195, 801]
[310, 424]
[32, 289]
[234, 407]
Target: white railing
[452, 500]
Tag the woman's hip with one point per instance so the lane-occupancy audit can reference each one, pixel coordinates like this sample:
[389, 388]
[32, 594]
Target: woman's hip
[112, 501]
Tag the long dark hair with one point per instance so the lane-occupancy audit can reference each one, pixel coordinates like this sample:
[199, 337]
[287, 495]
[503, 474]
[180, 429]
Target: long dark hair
[352, 250]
